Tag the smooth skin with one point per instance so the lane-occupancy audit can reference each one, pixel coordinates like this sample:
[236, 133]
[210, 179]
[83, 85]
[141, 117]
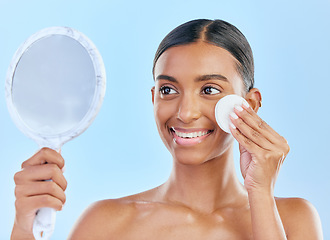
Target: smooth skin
[203, 198]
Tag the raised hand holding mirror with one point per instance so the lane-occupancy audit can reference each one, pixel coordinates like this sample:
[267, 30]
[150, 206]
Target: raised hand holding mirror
[54, 89]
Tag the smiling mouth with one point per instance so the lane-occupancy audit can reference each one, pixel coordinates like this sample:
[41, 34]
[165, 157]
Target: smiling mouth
[190, 135]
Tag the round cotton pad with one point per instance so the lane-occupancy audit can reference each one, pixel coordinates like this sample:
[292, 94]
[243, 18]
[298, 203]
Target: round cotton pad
[224, 107]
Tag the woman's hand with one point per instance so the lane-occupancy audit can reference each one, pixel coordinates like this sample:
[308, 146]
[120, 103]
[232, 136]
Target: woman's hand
[262, 150]
[33, 192]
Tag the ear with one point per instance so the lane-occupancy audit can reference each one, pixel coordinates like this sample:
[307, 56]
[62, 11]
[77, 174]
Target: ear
[153, 94]
[253, 97]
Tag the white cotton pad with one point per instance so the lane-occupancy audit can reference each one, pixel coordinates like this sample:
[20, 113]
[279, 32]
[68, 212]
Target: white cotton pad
[224, 107]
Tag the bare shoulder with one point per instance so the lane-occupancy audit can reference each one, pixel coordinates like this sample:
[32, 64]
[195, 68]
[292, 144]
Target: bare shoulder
[109, 218]
[300, 218]
[101, 218]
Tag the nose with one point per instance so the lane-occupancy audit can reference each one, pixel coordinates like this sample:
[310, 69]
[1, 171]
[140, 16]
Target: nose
[189, 109]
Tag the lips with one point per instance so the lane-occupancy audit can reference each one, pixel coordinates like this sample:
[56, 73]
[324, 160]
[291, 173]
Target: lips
[189, 136]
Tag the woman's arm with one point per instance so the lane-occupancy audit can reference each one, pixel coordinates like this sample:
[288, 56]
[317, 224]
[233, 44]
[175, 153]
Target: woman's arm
[296, 216]
[266, 220]
[262, 154]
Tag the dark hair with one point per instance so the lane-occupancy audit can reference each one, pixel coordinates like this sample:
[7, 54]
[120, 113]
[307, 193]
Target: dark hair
[216, 32]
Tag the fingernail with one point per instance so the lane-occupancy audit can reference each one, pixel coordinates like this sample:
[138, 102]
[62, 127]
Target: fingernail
[232, 126]
[238, 108]
[233, 115]
[246, 104]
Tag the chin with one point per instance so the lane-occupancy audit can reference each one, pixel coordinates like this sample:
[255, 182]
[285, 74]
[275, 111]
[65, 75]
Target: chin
[197, 157]
[212, 145]
[189, 159]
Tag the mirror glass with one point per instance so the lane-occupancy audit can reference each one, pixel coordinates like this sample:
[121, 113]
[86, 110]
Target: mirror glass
[53, 85]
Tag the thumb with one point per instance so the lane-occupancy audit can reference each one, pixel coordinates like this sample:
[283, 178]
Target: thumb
[242, 149]
[245, 160]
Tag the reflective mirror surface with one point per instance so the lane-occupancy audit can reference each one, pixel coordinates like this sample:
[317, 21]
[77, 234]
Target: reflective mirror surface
[53, 85]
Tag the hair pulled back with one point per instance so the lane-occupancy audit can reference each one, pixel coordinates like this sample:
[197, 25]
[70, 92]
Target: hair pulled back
[219, 33]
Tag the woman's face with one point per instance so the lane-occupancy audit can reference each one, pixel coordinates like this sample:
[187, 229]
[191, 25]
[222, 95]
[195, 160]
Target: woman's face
[189, 81]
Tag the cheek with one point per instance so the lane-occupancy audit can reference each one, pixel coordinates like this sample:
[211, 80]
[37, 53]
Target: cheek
[163, 111]
[207, 107]
[211, 111]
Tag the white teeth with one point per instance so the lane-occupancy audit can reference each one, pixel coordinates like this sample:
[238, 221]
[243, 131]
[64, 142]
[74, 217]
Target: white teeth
[191, 134]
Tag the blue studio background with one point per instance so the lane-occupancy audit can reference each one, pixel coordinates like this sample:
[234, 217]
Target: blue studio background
[121, 153]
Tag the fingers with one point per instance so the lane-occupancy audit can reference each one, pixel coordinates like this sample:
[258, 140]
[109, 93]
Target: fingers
[32, 188]
[40, 188]
[45, 155]
[26, 209]
[33, 192]
[258, 126]
[41, 173]
[262, 150]
[36, 202]
[254, 129]
[257, 137]
[244, 133]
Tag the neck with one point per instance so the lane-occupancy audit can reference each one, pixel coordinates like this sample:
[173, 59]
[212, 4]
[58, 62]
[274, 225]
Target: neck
[206, 187]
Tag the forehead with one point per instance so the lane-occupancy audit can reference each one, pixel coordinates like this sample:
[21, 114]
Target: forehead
[196, 59]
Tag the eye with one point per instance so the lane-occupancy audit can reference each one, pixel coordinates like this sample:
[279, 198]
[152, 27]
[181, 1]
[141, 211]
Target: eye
[210, 90]
[166, 90]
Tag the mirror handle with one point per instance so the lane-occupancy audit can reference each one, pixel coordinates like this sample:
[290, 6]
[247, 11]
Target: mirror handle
[44, 223]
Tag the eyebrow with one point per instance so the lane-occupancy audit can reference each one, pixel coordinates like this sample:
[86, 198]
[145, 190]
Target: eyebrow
[198, 79]
[210, 77]
[165, 77]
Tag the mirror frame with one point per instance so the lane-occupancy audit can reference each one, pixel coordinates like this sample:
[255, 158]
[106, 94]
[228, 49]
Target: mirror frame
[100, 76]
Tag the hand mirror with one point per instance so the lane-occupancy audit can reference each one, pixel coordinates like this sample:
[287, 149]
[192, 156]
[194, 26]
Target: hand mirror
[54, 89]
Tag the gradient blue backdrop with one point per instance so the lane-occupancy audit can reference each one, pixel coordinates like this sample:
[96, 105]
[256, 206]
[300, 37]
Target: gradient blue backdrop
[121, 153]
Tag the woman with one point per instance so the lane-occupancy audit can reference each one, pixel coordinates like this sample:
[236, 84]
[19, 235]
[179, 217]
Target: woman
[195, 65]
